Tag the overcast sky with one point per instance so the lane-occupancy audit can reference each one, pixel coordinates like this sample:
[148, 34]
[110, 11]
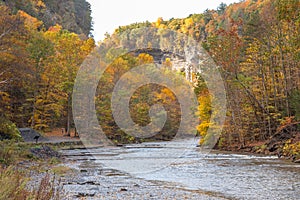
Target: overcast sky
[110, 14]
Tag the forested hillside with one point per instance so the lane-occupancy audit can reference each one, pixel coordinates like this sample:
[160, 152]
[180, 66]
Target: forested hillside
[72, 15]
[52, 69]
[255, 42]
[38, 64]
[257, 45]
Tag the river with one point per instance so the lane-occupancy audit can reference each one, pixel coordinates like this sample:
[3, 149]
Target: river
[177, 170]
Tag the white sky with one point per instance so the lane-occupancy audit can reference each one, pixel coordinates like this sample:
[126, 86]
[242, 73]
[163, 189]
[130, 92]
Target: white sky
[110, 14]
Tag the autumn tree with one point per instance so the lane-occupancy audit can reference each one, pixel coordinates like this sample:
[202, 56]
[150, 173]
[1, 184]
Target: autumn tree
[70, 52]
[13, 60]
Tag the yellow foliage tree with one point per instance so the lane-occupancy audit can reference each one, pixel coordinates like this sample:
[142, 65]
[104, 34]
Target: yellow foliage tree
[204, 113]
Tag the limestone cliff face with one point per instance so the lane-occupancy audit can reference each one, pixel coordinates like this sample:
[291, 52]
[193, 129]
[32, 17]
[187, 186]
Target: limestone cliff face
[73, 15]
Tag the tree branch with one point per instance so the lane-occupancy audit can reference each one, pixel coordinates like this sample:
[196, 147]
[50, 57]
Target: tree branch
[5, 33]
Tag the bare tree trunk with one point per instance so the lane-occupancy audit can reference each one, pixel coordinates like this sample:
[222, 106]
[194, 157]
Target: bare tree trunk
[33, 111]
[68, 126]
[286, 86]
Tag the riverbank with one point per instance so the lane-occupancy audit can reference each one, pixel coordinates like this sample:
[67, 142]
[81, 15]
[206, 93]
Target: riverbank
[285, 144]
[279, 145]
[71, 172]
[65, 165]
[74, 172]
[94, 181]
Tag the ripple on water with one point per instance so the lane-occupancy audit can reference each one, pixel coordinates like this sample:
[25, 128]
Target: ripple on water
[232, 175]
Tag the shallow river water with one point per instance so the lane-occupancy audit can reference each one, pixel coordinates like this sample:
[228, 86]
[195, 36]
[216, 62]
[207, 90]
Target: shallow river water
[177, 170]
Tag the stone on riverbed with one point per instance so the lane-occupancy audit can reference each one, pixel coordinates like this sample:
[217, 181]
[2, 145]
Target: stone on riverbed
[44, 152]
[297, 161]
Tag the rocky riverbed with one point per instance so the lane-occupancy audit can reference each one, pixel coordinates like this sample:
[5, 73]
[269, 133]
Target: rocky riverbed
[169, 171]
